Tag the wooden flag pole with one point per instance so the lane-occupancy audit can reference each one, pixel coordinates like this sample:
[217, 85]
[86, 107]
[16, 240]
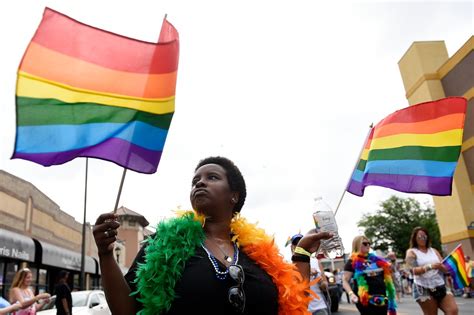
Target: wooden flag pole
[350, 176]
[120, 190]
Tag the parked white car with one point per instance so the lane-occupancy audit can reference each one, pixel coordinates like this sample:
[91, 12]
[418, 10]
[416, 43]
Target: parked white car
[83, 303]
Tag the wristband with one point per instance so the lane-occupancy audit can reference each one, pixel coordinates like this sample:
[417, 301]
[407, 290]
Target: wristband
[302, 251]
[300, 258]
[351, 293]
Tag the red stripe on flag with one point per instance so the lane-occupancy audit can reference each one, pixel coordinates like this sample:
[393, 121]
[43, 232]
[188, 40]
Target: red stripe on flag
[70, 37]
[427, 111]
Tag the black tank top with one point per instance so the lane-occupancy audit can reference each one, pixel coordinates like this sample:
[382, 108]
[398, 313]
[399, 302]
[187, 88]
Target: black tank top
[200, 292]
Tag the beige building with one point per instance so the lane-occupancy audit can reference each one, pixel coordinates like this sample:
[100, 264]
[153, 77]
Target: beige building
[36, 233]
[131, 234]
[428, 73]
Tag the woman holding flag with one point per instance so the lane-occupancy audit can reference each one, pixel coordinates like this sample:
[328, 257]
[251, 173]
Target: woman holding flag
[208, 261]
[429, 287]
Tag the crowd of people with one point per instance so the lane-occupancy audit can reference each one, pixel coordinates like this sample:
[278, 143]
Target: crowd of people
[22, 300]
[212, 260]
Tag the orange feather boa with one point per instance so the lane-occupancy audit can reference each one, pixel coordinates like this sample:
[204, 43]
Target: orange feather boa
[293, 293]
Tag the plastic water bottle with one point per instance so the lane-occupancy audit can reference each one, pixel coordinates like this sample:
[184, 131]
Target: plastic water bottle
[325, 222]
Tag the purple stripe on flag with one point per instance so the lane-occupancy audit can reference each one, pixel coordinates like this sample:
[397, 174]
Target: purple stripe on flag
[115, 150]
[356, 188]
[437, 186]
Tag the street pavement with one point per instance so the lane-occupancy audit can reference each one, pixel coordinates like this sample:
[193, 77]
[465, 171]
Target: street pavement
[408, 306]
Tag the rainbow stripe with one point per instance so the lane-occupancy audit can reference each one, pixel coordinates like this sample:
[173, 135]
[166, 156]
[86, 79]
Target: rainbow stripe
[413, 150]
[456, 266]
[86, 92]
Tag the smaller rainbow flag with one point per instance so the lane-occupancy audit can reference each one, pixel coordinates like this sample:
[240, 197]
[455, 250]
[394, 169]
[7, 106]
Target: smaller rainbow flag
[456, 266]
[413, 150]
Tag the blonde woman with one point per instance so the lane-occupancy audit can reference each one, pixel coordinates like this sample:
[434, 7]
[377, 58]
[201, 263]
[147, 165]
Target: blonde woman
[21, 293]
[374, 292]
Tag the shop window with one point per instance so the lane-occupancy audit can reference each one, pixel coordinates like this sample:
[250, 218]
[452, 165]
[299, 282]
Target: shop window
[42, 281]
[2, 272]
[76, 283]
[9, 269]
[34, 283]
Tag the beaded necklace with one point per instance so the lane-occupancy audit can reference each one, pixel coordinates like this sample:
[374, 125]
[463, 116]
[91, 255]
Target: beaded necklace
[221, 275]
[175, 242]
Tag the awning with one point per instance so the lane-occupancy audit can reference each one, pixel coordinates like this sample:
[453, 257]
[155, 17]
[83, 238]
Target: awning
[64, 258]
[16, 246]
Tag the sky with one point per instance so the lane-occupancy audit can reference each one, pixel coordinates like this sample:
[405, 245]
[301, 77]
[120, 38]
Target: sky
[287, 90]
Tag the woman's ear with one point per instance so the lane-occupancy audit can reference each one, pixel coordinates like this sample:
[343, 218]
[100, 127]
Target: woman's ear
[235, 198]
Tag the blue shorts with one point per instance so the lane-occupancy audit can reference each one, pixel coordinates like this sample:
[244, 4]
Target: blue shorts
[421, 294]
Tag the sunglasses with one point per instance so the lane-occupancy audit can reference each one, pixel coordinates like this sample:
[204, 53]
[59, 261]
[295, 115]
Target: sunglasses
[236, 293]
[366, 243]
[422, 237]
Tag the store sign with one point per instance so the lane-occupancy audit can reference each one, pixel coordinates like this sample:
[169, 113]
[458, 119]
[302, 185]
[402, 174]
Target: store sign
[14, 253]
[16, 246]
[64, 258]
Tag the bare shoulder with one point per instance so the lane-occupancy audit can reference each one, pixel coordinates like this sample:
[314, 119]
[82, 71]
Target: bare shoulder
[410, 253]
[13, 294]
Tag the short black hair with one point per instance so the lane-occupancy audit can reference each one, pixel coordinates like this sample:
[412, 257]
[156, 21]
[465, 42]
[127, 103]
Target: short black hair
[234, 177]
[62, 274]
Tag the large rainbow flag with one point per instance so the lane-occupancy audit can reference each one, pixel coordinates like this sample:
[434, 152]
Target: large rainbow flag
[456, 266]
[413, 150]
[86, 92]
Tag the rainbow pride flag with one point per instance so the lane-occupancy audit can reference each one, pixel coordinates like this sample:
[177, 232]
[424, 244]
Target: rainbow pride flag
[86, 92]
[456, 266]
[413, 150]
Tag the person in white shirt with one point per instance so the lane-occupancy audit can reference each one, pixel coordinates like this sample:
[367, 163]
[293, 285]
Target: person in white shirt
[429, 287]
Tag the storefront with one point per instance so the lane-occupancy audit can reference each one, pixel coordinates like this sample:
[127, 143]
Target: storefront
[45, 261]
[55, 259]
[15, 249]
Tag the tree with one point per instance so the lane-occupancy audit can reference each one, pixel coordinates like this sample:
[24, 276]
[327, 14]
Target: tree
[393, 223]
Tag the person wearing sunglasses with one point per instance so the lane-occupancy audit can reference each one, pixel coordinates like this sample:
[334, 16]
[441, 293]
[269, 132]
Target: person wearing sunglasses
[207, 261]
[429, 287]
[373, 290]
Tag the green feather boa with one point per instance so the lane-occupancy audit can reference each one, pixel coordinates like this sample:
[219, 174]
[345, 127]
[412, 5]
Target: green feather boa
[164, 264]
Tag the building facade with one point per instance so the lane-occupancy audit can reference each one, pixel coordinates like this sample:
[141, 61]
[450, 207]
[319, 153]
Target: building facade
[36, 233]
[428, 74]
[130, 237]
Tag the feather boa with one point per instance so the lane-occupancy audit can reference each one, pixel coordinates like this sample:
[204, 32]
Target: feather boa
[166, 256]
[358, 263]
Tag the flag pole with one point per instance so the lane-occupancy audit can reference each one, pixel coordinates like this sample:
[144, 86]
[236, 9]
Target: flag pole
[350, 176]
[120, 190]
[83, 246]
